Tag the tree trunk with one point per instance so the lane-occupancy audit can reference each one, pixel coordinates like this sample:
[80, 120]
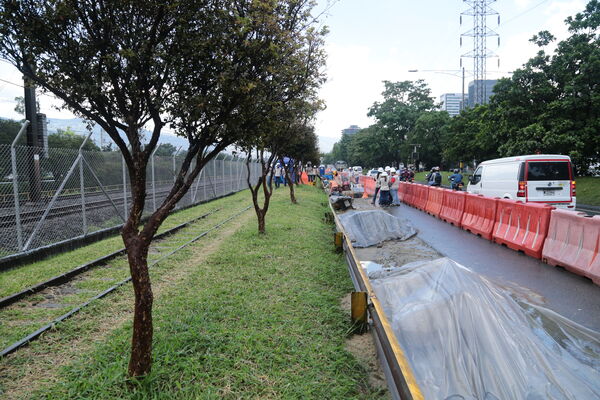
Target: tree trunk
[267, 191]
[261, 222]
[292, 192]
[291, 184]
[140, 362]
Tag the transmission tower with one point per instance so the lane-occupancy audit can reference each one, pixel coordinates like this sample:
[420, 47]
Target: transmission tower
[479, 10]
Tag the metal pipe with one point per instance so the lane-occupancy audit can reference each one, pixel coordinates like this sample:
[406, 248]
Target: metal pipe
[153, 181]
[124, 186]
[15, 181]
[82, 190]
[104, 191]
[58, 191]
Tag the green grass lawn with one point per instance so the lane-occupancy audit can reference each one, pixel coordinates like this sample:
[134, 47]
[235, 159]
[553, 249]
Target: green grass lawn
[23, 276]
[260, 319]
[588, 190]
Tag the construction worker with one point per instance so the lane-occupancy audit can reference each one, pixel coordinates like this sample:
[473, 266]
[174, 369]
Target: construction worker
[384, 189]
[379, 172]
[394, 186]
[278, 172]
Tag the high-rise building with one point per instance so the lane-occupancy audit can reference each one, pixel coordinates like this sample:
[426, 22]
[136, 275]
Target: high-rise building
[488, 91]
[451, 102]
[351, 130]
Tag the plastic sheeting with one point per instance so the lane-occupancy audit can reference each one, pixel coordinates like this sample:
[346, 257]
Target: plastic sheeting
[467, 338]
[368, 228]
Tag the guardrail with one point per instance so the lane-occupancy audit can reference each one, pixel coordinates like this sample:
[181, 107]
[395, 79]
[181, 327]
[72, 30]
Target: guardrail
[400, 378]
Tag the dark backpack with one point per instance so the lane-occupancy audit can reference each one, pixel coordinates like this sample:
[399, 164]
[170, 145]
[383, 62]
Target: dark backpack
[437, 178]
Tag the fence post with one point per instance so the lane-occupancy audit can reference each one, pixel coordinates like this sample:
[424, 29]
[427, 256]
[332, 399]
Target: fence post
[153, 181]
[175, 165]
[124, 187]
[82, 190]
[223, 175]
[56, 194]
[204, 183]
[15, 182]
[231, 173]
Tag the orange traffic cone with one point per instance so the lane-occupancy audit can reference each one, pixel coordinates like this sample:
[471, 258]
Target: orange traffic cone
[365, 195]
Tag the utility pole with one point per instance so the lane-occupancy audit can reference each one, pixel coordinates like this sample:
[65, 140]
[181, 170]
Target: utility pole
[35, 181]
[480, 10]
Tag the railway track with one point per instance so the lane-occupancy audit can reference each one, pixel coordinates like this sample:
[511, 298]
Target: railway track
[8, 220]
[62, 288]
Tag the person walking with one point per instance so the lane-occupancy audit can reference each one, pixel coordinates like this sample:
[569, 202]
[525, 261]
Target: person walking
[379, 172]
[394, 186]
[310, 171]
[277, 173]
[384, 190]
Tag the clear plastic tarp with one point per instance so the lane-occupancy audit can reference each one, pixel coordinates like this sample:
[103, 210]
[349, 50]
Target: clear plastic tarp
[371, 227]
[468, 338]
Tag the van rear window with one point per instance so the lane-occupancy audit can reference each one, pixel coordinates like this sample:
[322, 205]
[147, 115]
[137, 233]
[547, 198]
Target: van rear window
[548, 171]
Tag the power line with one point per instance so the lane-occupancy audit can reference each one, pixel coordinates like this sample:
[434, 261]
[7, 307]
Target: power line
[523, 13]
[11, 83]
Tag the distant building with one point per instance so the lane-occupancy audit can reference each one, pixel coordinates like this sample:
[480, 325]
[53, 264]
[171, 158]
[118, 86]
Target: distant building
[488, 89]
[351, 130]
[451, 102]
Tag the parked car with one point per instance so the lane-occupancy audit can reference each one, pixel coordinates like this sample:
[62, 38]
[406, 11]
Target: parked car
[531, 178]
[357, 169]
[373, 173]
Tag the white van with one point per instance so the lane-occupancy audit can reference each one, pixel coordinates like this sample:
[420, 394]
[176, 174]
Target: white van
[534, 178]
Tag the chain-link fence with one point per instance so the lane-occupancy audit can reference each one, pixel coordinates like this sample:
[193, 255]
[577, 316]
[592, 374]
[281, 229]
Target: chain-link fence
[67, 194]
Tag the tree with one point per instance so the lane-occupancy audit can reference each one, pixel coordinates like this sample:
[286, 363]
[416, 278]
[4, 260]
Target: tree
[549, 105]
[472, 136]
[431, 132]
[67, 139]
[300, 147]
[20, 106]
[165, 149]
[9, 130]
[126, 64]
[403, 102]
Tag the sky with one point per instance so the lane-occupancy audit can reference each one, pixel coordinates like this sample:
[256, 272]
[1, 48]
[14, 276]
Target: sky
[375, 40]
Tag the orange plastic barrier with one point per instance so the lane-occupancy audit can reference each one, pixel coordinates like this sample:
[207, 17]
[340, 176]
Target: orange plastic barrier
[420, 196]
[453, 205]
[408, 193]
[368, 184]
[434, 201]
[402, 191]
[522, 226]
[304, 178]
[479, 215]
[573, 242]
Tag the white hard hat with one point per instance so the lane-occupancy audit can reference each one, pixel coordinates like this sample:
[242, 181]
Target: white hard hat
[387, 168]
[392, 169]
[380, 169]
[384, 174]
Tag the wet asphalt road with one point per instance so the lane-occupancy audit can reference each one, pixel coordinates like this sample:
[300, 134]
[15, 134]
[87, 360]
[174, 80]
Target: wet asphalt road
[568, 294]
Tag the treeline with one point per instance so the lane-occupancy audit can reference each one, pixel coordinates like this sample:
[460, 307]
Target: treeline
[218, 73]
[551, 105]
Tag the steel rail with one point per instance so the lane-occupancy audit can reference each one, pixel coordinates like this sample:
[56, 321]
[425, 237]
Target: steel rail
[67, 276]
[400, 377]
[36, 334]
[10, 261]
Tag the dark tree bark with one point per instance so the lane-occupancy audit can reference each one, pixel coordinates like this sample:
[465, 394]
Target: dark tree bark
[266, 185]
[291, 183]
